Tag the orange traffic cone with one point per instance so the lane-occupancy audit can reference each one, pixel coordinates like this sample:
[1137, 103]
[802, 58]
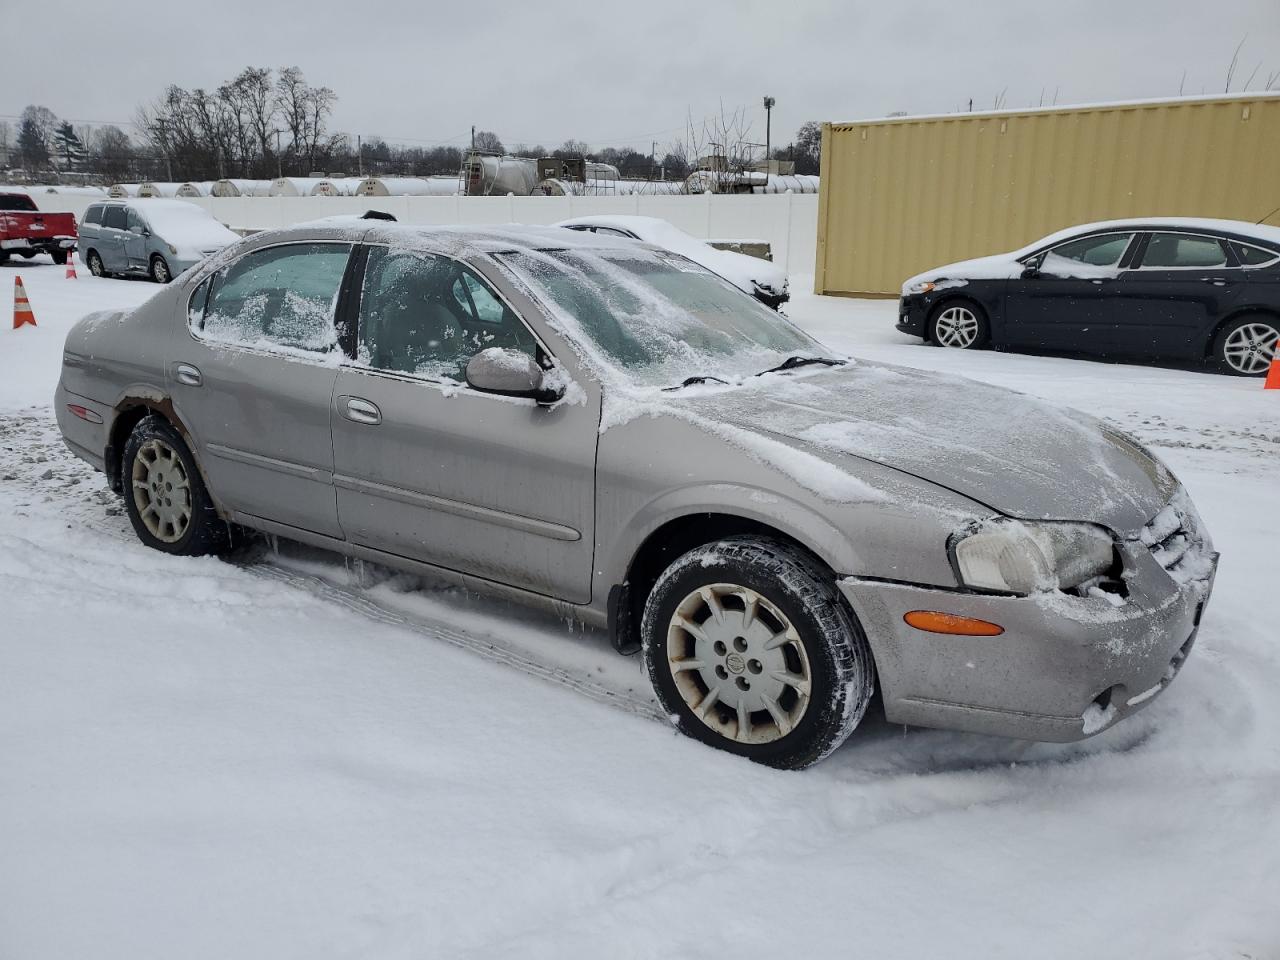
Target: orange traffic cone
[21, 305]
[1273, 375]
[71, 265]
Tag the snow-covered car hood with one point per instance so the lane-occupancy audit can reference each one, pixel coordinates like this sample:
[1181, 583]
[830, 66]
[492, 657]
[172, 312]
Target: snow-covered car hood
[1000, 266]
[1015, 454]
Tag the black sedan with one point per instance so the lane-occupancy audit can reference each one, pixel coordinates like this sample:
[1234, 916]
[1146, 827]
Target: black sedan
[1159, 289]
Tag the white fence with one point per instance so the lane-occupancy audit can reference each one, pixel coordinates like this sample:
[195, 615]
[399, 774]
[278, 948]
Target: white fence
[788, 222]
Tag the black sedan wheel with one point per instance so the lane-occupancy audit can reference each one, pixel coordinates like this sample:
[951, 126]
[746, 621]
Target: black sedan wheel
[959, 324]
[1246, 347]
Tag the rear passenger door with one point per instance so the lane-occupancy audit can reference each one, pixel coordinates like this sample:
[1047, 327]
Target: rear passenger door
[253, 380]
[1180, 285]
[111, 239]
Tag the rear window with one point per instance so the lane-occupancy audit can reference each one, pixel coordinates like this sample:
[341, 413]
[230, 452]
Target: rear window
[1173, 250]
[16, 201]
[93, 214]
[1250, 256]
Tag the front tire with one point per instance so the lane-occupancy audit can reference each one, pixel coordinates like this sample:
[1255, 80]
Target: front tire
[751, 649]
[164, 494]
[1246, 346]
[960, 325]
[160, 269]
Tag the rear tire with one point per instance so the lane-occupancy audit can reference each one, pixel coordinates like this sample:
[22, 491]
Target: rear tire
[784, 656]
[160, 269]
[960, 325]
[59, 257]
[94, 263]
[165, 495]
[1246, 346]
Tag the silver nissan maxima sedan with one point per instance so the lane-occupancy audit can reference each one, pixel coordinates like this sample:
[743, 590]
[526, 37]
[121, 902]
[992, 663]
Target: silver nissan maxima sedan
[610, 431]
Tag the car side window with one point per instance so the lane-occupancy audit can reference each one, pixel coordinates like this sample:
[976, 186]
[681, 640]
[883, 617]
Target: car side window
[113, 217]
[280, 296]
[612, 232]
[93, 215]
[1100, 251]
[1250, 256]
[428, 315]
[1181, 250]
[133, 221]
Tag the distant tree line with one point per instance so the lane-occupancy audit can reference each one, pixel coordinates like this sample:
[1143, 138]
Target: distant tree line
[265, 123]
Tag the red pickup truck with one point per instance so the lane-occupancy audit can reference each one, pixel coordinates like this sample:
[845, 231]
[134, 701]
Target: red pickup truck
[26, 231]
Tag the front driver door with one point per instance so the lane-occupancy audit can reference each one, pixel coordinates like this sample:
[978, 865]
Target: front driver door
[428, 468]
[1068, 301]
[254, 380]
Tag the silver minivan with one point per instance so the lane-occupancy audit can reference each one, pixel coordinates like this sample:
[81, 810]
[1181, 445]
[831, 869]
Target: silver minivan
[155, 238]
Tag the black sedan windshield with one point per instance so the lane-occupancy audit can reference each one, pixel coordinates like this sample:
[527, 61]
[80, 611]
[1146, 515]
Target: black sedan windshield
[657, 316]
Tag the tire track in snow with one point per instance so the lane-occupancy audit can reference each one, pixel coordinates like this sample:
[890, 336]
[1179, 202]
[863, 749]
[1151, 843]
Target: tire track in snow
[45, 475]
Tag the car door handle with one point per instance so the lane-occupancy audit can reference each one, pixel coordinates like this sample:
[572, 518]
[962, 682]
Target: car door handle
[1216, 281]
[359, 410]
[185, 373]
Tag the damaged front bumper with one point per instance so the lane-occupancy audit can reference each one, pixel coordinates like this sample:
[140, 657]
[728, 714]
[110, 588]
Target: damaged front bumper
[1065, 667]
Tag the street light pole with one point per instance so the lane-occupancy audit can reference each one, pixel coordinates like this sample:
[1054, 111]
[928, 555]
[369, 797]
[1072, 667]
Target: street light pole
[768, 121]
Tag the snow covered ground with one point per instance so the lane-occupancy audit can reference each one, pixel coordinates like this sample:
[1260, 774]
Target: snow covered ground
[283, 757]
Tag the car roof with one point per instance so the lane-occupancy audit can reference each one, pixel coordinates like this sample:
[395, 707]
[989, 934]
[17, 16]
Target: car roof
[454, 241]
[1235, 228]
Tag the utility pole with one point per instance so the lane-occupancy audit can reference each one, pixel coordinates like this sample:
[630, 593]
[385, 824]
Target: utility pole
[359, 157]
[164, 143]
[277, 132]
[768, 122]
[653, 159]
[473, 136]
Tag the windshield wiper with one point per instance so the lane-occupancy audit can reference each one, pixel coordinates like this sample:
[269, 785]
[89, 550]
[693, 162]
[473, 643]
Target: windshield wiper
[792, 362]
[691, 381]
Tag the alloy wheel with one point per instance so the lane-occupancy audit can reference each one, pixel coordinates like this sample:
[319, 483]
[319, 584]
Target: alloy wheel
[161, 491]
[159, 270]
[95, 264]
[1251, 347]
[738, 663]
[956, 327]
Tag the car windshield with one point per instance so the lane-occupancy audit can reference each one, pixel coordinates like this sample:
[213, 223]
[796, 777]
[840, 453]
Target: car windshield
[658, 317]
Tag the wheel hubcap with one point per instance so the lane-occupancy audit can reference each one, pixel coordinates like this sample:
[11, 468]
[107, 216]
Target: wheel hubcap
[1252, 347]
[957, 327]
[95, 266]
[161, 271]
[738, 663]
[161, 491]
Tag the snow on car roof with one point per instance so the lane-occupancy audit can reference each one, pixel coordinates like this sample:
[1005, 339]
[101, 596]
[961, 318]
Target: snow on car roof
[1242, 228]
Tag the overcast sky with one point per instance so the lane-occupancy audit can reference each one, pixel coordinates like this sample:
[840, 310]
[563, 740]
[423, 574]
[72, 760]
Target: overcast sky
[615, 74]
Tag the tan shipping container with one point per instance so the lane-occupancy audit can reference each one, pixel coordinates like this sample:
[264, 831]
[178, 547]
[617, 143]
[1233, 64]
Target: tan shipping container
[902, 195]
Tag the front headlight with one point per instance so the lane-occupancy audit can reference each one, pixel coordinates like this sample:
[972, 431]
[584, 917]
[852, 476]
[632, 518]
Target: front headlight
[173, 249]
[1017, 557]
[920, 286]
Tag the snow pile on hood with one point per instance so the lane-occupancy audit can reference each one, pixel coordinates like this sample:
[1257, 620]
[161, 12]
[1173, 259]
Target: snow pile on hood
[189, 228]
[744, 272]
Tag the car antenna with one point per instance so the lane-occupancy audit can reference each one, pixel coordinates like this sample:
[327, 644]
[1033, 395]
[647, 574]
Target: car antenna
[1267, 217]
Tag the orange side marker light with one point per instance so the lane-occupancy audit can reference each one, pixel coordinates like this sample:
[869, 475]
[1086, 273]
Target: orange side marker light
[934, 621]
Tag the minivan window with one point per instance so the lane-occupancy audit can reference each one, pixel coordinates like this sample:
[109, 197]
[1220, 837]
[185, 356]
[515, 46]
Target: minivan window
[429, 315]
[134, 222]
[278, 296]
[1173, 250]
[113, 218]
[93, 214]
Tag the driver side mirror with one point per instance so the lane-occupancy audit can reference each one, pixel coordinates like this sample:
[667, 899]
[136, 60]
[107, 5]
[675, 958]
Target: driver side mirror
[1031, 270]
[510, 373]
